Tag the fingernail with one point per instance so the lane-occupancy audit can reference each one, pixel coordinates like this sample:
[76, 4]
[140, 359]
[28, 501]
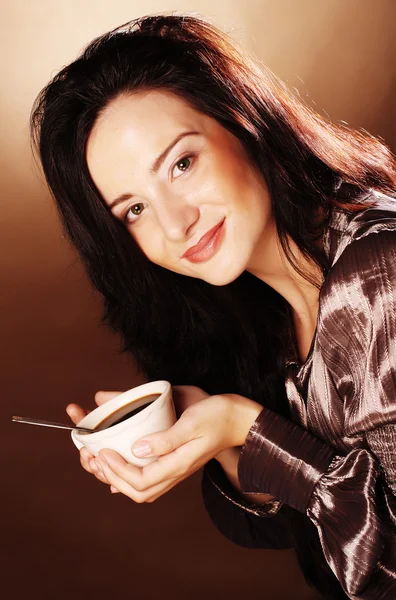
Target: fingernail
[141, 449]
[113, 490]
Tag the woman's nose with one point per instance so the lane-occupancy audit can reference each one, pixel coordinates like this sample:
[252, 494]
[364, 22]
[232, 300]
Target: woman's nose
[176, 218]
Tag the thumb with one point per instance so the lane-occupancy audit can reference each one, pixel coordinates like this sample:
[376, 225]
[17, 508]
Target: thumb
[163, 442]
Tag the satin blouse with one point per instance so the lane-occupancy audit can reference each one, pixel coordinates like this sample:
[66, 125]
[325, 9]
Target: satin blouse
[335, 459]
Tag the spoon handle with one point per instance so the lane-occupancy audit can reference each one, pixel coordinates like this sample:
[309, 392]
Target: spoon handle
[43, 423]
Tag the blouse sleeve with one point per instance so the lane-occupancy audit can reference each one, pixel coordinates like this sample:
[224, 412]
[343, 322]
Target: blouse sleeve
[250, 525]
[350, 498]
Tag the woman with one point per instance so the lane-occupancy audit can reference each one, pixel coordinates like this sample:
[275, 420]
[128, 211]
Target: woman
[245, 248]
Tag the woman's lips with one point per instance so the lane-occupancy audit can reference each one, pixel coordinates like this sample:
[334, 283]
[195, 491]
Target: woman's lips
[207, 245]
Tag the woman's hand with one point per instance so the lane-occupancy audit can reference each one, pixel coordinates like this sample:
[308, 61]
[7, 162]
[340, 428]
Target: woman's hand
[76, 413]
[208, 425]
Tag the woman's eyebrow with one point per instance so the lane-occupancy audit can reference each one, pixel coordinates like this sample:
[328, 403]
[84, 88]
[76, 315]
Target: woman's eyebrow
[160, 159]
[156, 164]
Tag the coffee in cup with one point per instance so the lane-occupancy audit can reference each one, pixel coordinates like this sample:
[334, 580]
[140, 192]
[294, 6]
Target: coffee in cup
[129, 410]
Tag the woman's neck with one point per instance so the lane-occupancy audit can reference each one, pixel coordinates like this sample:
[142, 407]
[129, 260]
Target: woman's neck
[270, 264]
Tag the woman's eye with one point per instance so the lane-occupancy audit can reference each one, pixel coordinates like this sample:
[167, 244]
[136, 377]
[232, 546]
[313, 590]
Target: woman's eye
[134, 211]
[184, 164]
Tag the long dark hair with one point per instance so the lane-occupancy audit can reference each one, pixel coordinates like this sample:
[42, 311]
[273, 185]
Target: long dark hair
[229, 338]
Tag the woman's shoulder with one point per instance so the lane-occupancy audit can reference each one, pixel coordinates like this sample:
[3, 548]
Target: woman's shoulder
[346, 228]
[360, 284]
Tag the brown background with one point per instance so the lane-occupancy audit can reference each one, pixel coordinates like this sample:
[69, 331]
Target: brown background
[63, 534]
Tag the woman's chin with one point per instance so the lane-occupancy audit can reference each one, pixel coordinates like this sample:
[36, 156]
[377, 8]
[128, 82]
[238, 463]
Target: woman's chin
[222, 276]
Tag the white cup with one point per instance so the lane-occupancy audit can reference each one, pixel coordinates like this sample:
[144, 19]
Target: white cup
[157, 416]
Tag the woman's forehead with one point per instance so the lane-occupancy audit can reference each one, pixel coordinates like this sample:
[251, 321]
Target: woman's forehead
[148, 119]
[150, 111]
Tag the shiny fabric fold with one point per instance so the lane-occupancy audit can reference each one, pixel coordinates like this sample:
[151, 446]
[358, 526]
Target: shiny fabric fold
[347, 511]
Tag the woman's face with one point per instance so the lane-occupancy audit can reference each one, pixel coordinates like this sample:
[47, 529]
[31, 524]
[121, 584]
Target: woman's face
[172, 174]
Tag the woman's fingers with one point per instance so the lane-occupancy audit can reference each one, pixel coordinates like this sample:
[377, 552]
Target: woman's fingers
[120, 484]
[102, 397]
[98, 471]
[85, 459]
[89, 463]
[76, 413]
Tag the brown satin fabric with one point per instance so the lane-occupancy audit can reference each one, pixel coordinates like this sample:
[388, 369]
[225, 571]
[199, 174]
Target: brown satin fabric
[335, 460]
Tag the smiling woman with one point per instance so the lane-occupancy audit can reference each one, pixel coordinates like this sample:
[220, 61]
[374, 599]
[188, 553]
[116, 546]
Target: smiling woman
[174, 200]
[245, 248]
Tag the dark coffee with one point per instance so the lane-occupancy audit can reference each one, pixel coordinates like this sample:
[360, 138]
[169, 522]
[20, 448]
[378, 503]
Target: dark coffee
[126, 411]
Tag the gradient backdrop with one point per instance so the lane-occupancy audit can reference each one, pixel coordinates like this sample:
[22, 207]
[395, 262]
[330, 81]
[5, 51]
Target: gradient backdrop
[63, 535]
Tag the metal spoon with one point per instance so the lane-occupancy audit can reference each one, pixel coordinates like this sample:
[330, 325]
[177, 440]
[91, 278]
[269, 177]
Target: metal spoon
[50, 424]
